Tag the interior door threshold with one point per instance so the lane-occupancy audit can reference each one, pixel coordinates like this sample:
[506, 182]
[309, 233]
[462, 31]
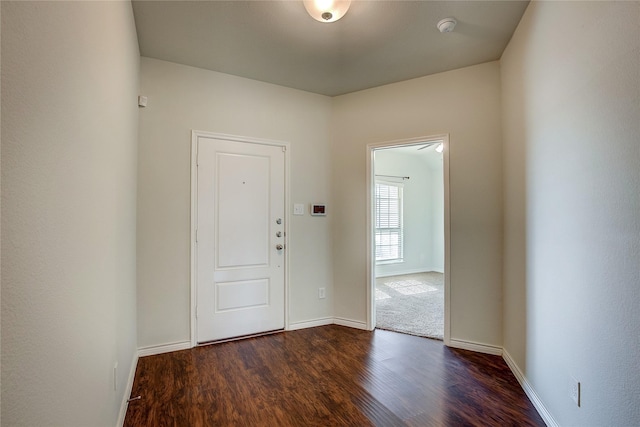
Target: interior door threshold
[241, 337]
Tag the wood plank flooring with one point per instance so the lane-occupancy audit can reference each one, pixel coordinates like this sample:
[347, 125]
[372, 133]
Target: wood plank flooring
[328, 376]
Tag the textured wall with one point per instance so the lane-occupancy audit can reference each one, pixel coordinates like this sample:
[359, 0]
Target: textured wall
[571, 106]
[69, 144]
[466, 104]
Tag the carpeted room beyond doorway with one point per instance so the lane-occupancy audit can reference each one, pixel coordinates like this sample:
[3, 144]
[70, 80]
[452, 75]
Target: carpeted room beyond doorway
[411, 304]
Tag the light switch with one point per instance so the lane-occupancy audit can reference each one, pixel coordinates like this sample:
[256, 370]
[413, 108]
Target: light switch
[298, 208]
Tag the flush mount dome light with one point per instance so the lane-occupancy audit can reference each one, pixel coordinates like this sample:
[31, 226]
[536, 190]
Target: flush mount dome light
[327, 10]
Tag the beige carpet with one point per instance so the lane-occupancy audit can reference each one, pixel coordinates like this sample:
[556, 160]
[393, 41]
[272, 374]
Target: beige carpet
[411, 304]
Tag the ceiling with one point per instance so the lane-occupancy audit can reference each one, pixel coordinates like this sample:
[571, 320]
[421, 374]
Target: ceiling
[377, 42]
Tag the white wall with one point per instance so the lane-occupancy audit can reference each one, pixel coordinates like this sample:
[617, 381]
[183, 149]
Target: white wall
[69, 132]
[435, 166]
[571, 91]
[466, 104]
[183, 98]
[422, 202]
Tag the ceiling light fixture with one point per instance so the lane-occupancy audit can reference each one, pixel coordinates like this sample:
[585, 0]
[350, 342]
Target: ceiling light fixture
[446, 25]
[327, 10]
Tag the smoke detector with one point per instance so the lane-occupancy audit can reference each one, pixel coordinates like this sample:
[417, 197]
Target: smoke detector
[447, 25]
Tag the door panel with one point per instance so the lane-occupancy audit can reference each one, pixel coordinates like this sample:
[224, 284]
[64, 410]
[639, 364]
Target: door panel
[240, 211]
[242, 294]
[242, 228]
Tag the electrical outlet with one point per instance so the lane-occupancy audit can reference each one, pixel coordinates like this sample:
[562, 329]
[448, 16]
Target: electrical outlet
[321, 293]
[574, 390]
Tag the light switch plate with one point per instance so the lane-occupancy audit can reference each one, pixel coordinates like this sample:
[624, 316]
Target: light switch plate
[298, 208]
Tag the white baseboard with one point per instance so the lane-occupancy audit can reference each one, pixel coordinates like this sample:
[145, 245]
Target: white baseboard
[165, 348]
[310, 323]
[127, 392]
[529, 391]
[413, 271]
[350, 323]
[474, 346]
[323, 321]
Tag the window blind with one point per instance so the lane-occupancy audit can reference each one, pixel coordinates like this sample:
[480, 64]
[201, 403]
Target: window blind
[388, 221]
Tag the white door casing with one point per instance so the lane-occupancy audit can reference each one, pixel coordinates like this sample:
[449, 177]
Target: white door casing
[240, 262]
[371, 302]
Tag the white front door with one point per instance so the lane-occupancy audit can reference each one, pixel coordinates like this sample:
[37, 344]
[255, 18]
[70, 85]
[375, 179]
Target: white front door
[240, 261]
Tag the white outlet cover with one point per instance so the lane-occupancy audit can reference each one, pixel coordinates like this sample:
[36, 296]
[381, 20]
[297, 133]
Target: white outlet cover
[298, 208]
[574, 390]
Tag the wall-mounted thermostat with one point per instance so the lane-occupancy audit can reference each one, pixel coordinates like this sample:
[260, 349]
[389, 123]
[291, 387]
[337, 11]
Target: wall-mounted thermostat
[318, 209]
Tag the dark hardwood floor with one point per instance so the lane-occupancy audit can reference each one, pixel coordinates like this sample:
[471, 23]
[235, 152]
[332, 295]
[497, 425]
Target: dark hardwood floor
[328, 376]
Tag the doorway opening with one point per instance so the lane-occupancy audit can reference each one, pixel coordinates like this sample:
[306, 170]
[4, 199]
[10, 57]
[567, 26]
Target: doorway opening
[408, 237]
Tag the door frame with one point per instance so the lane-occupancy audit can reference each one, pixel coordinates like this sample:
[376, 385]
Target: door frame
[195, 136]
[371, 279]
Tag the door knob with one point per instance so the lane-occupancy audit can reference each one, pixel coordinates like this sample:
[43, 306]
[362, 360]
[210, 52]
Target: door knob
[279, 247]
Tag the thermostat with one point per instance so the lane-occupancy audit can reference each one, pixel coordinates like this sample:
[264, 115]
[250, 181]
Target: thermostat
[318, 209]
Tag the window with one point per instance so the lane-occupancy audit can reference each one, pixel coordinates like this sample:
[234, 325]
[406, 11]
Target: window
[388, 222]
